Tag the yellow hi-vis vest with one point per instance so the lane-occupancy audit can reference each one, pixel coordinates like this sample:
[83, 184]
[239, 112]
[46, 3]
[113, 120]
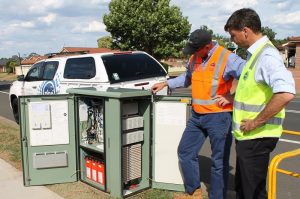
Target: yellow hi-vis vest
[250, 99]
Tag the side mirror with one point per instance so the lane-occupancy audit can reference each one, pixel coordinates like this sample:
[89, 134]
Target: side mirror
[20, 78]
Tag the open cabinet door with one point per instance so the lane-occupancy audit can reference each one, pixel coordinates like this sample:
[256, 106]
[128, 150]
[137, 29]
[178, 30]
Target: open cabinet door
[170, 117]
[48, 139]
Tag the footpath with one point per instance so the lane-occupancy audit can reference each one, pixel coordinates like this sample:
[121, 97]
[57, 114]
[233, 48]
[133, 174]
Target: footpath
[11, 185]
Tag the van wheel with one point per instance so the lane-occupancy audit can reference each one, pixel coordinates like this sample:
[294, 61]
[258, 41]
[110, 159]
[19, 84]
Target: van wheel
[15, 108]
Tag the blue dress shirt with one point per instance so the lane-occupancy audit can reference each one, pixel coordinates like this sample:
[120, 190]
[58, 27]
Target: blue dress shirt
[270, 69]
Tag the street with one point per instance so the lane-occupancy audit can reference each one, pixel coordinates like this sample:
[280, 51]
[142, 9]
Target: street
[287, 187]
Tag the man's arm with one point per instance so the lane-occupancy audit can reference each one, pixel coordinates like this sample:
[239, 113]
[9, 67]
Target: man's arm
[275, 105]
[158, 86]
[234, 67]
[183, 80]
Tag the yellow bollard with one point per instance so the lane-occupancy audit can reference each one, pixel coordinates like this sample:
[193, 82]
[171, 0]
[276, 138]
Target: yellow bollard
[273, 169]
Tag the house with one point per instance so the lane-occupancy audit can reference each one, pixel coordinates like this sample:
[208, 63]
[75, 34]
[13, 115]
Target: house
[82, 50]
[27, 63]
[2, 68]
[283, 54]
[292, 51]
[3, 65]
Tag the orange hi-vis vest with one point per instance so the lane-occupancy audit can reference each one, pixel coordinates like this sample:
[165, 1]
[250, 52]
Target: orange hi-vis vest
[207, 82]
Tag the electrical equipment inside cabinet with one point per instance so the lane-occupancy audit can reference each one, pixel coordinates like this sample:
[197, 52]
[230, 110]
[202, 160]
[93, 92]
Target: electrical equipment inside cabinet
[91, 121]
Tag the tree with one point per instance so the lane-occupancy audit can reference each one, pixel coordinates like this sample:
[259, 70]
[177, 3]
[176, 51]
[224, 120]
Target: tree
[242, 52]
[148, 25]
[205, 27]
[222, 40]
[33, 54]
[269, 32]
[105, 42]
[10, 66]
[3, 61]
[279, 42]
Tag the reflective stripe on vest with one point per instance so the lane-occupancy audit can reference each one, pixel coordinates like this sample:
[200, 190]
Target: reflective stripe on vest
[273, 121]
[267, 45]
[247, 106]
[215, 80]
[203, 102]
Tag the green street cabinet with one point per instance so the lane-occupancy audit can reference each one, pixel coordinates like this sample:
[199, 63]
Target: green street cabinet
[120, 141]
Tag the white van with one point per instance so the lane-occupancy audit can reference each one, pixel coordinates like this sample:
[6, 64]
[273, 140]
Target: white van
[55, 75]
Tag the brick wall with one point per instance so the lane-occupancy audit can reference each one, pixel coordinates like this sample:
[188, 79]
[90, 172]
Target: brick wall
[297, 57]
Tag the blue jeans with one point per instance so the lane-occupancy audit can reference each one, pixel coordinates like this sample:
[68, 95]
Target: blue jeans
[217, 126]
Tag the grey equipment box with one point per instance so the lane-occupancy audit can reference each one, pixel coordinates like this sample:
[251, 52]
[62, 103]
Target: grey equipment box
[120, 141]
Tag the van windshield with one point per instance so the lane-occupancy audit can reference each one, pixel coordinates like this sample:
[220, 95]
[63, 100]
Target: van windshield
[131, 66]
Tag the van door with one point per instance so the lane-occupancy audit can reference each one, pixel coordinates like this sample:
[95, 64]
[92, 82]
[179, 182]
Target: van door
[50, 81]
[33, 79]
[40, 79]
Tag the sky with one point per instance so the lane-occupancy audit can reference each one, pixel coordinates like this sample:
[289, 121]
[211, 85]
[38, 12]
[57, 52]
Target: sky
[45, 26]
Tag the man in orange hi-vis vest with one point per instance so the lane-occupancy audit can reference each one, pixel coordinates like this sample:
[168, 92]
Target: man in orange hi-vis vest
[210, 71]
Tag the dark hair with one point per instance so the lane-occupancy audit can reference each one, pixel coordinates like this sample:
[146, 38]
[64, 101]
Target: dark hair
[244, 17]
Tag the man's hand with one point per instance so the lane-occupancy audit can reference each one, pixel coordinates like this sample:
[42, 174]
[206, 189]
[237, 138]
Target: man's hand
[158, 86]
[248, 125]
[223, 100]
[276, 104]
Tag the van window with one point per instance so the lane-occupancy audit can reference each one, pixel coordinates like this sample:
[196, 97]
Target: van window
[35, 72]
[128, 67]
[80, 68]
[50, 70]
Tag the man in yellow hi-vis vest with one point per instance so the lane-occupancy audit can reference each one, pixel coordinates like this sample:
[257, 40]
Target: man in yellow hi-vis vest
[264, 89]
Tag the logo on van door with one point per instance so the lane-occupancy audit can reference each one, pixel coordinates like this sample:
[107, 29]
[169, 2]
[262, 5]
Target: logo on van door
[50, 87]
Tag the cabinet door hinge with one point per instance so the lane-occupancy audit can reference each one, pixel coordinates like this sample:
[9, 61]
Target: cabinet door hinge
[24, 139]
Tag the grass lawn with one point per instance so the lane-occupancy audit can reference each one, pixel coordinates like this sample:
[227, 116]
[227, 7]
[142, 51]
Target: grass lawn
[7, 77]
[10, 151]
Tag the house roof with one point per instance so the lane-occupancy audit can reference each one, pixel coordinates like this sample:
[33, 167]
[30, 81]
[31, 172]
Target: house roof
[31, 60]
[294, 39]
[3, 62]
[292, 42]
[86, 50]
[280, 47]
[65, 52]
